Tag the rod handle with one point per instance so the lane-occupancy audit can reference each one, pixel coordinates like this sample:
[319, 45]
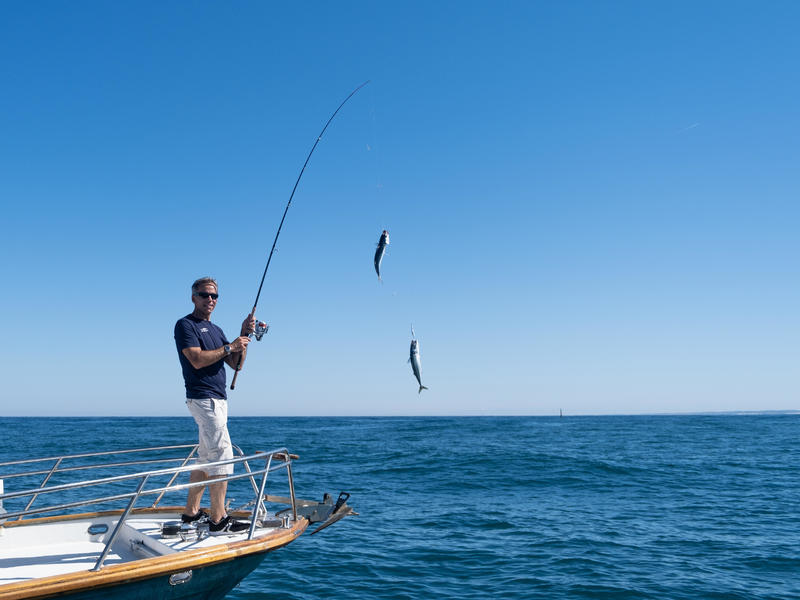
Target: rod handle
[241, 356]
[235, 375]
[236, 372]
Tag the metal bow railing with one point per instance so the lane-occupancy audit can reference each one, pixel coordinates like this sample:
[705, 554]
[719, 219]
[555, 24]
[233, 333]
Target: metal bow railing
[263, 463]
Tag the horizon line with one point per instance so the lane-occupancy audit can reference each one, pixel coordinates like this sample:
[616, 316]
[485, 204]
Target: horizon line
[474, 414]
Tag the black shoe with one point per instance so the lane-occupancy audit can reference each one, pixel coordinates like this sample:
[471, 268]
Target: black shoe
[227, 526]
[200, 517]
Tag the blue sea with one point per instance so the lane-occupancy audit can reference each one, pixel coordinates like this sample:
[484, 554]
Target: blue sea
[512, 507]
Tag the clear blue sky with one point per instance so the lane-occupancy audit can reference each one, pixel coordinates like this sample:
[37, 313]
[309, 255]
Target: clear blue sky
[592, 206]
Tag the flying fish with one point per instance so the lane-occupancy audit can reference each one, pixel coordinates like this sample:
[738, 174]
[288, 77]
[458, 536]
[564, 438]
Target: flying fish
[380, 251]
[414, 359]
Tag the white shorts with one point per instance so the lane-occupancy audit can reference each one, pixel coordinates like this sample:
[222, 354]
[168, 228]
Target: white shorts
[211, 416]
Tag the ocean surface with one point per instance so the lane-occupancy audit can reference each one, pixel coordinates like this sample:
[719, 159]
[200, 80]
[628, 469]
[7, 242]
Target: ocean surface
[511, 507]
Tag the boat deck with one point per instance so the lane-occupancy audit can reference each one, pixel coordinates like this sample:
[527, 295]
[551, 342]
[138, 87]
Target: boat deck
[60, 547]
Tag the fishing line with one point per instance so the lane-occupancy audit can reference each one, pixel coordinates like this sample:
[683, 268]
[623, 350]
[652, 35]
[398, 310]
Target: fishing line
[383, 213]
[286, 210]
[374, 148]
[378, 209]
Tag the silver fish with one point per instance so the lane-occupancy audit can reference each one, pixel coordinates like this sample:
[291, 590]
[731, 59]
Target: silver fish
[380, 251]
[416, 365]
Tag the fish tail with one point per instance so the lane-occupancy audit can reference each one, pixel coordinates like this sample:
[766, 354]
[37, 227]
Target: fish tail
[421, 387]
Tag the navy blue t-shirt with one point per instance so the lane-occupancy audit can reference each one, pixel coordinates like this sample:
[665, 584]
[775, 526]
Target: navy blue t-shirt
[208, 382]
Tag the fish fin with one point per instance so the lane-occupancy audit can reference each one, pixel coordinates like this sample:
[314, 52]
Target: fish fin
[421, 387]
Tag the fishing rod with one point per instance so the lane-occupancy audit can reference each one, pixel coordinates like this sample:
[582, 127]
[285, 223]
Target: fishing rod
[261, 328]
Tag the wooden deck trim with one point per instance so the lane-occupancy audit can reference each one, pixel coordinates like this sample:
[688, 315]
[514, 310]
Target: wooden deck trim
[240, 514]
[93, 515]
[146, 568]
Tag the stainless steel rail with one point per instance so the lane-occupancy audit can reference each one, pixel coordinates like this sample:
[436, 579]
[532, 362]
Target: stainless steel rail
[91, 454]
[282, 461]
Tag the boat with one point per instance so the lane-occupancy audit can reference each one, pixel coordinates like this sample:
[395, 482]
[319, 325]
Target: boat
[133, 544]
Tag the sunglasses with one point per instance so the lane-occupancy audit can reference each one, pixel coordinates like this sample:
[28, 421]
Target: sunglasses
[207, 295]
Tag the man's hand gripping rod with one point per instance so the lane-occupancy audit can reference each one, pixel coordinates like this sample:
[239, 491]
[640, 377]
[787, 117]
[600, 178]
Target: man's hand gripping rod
[286, 210]
[260, 329]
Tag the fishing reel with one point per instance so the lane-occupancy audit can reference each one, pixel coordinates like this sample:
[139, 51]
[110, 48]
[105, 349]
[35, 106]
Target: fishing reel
[260, 330]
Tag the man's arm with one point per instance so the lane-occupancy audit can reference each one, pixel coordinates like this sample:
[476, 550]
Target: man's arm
[203, 358]
[233, 359]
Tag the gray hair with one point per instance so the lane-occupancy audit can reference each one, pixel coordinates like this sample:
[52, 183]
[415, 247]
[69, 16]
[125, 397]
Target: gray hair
[203, 281]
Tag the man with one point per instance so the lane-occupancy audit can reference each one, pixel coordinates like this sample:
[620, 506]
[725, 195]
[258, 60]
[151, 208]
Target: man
[203, 351]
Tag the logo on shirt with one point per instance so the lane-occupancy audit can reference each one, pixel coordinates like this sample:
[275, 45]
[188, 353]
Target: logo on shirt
[204, 330]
